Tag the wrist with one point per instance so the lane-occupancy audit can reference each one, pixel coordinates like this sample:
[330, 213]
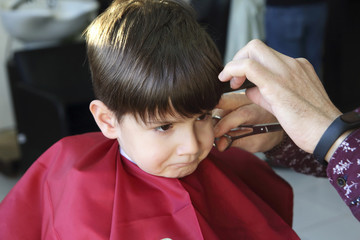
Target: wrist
[334, 135]
[336, 145]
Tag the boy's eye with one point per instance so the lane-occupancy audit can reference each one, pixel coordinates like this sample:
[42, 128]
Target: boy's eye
[164, 128]
[203, 117]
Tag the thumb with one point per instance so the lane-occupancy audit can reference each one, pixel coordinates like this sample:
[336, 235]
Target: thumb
[233, 100]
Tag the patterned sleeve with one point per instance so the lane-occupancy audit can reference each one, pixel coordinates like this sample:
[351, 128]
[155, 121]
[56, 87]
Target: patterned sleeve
[287, 154]
[344, 172]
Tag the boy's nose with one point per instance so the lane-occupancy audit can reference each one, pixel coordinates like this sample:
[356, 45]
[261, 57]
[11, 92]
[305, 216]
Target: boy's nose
[188, 144]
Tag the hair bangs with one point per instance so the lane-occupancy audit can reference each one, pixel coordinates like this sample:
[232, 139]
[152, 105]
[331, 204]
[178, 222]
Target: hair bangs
[152, 59]
[184, 85]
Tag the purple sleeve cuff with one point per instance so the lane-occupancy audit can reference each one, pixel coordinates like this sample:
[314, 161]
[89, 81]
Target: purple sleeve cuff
[344, 171]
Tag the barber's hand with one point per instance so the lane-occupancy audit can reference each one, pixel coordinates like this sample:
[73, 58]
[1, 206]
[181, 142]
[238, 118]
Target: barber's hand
[288, 88]
[236, 109]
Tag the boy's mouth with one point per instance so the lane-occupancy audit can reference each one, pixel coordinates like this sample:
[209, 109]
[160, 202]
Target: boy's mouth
[180, 164]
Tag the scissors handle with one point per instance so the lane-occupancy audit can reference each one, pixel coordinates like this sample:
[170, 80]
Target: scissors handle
[255, 129]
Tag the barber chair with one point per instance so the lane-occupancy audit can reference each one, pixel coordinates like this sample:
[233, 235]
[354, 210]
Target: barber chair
[51, 91]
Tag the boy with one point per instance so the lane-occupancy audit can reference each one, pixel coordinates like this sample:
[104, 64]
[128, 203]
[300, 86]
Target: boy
[155, 77]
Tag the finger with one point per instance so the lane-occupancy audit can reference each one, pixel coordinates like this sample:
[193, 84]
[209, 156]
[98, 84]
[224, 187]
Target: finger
[226, 124]
[259, 51]
[234, 100]
[218, 113]
[247, 143]
[264, 56]
[259, 143]
[251, 49]
[236, 71]
[235, 81]
[243, 115]
[221, 144]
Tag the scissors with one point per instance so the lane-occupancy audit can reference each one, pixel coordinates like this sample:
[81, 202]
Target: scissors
[249, 131]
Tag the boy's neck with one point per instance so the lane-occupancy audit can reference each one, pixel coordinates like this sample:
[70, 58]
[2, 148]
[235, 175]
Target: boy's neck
[122, 152]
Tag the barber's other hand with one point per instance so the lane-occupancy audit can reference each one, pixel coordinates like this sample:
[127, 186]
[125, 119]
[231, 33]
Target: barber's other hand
[235, 109]
[288, 88]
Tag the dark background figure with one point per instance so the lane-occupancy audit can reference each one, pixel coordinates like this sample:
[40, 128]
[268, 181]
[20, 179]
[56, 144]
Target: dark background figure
[297, 28]
[342, 48]
[337, 52]
[214, 15]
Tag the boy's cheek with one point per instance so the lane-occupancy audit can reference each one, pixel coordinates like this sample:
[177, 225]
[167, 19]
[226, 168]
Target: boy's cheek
[208, 141]
[208, 136]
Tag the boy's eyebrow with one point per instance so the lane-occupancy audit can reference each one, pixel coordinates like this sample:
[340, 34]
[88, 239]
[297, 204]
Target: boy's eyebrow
[172, 119]
[161, 121]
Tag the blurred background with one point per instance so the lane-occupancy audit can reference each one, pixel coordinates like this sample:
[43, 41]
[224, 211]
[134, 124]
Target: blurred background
[45, 85]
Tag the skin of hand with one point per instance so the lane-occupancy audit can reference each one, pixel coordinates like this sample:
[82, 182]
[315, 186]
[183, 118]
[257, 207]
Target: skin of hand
[288, 88]
[235, 109]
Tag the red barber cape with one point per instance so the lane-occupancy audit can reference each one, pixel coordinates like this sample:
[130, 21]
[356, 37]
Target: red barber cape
[81, 188]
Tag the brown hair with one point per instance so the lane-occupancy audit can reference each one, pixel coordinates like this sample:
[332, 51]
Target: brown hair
[151, 58]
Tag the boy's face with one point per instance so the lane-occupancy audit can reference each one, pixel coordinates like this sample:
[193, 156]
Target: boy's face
[172, 147]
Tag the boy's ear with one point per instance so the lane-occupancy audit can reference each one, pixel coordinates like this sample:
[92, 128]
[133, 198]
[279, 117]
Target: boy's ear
[104, 118]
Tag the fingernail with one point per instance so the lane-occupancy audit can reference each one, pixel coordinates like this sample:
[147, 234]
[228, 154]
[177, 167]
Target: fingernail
[221, 75]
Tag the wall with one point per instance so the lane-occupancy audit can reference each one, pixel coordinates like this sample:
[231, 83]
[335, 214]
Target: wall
[6, 113]
[7, 46]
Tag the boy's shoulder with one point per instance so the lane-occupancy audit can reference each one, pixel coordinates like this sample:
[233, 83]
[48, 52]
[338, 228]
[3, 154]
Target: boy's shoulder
[244, 164]
[78, 150]
[90, 137]
[258, 176]
[252, 170]
[238, 159]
